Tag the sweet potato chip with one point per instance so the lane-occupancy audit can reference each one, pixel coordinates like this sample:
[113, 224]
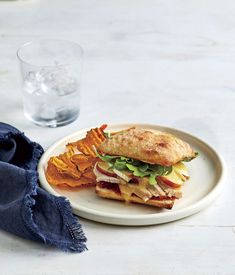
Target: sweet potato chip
[83, 162]
[89, 175]
[56, 178]
[65, 166]
[61, 166]
[72, 169]
[94, 137]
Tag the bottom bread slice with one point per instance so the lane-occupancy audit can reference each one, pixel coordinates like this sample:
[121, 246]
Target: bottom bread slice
[110, 194]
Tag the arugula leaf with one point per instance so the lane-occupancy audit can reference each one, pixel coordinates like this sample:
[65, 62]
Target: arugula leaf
[119, 164]
[189, 159]
[124, 158]
[153, 167]
[167, 170]
[136, 171]
[107, 134]
[135, 162]
[144, 167]
[106, 158]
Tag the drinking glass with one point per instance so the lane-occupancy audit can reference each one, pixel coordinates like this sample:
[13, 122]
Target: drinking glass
[51, 78]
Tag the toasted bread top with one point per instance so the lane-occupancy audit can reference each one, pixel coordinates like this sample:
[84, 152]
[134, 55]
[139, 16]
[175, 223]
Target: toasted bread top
[152, 147]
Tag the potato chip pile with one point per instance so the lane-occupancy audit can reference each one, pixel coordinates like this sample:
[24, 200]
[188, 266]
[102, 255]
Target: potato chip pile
[74, 168]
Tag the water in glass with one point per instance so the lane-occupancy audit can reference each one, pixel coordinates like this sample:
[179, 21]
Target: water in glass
[51, 96]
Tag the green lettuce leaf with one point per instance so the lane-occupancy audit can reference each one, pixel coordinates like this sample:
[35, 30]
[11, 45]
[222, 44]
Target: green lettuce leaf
[107, 134]
[152, 178]
[137, 167]
[136, 171]
[189, 159]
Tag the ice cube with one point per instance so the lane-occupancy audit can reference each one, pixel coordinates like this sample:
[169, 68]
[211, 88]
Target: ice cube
[51, 81]
[31, 85]
[60, 82]
[68, 85]
[40, 75]
[47, 111]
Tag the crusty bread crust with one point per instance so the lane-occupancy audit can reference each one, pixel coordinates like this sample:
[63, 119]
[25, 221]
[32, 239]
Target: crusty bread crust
[109, 194]
[151, 147]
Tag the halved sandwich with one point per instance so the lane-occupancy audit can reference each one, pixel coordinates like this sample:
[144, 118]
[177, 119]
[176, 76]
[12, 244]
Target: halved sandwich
[142, 166]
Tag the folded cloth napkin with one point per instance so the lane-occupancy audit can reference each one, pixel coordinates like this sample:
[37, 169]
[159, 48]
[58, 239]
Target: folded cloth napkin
[26, 210]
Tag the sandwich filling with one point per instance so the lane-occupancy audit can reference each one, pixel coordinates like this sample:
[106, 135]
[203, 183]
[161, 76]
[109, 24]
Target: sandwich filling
[140, 179]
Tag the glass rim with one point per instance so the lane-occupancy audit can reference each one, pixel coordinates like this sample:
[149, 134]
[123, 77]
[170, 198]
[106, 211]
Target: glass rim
[46, 39]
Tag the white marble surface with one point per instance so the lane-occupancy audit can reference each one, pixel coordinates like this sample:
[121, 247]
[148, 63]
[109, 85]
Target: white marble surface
[153, 61]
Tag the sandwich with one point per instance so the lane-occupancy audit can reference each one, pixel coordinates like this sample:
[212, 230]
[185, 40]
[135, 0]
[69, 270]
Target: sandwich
[142, 166]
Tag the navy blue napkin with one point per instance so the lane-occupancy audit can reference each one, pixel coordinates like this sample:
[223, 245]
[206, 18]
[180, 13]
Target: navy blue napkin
[26, 210]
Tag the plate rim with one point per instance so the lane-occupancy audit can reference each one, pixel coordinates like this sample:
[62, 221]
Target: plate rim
[165, 216]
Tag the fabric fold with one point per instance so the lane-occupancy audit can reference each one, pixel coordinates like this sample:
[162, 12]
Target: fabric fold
[27, 210]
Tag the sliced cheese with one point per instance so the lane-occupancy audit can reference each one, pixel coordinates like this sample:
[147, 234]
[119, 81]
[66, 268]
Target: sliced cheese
[126, 191]
[139, 189]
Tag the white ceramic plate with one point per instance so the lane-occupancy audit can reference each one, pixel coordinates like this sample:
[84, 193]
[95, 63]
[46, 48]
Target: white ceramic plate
[206, 178]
